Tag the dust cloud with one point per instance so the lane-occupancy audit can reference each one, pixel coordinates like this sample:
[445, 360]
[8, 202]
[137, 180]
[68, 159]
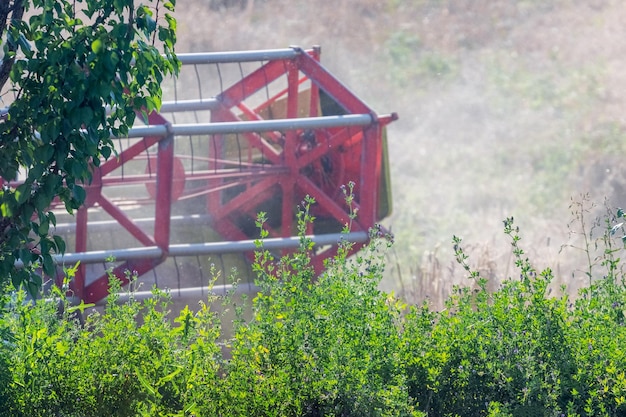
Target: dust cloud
[507, 108]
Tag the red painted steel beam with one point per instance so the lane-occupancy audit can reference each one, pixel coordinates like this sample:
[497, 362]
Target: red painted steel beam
[99, 289]
[137, 148]
[249, 197]
[289, 152]
[163, 208]
[252, 83]
[255, 140]
[126, 222]
[333, 87]
[371, 154]
[78, 283]
[329, 204]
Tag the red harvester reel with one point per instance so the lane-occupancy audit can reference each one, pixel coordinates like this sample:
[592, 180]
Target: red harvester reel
[192, 180]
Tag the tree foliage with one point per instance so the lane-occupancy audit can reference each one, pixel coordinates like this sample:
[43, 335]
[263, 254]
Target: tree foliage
[77, 72]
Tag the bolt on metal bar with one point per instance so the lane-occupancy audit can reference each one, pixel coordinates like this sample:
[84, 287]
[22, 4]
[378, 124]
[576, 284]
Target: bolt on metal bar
[238, 56]
[252, 126]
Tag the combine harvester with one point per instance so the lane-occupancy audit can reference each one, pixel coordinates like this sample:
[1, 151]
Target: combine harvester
[251, 131]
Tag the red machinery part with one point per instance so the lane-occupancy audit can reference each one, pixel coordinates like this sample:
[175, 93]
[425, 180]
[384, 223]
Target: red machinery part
[286, 129]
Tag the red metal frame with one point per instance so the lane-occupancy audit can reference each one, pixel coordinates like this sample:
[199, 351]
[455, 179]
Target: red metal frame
[271, 167]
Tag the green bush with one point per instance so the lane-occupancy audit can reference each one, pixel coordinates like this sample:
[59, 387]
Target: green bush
[313, 347]
[109, 366]
[521, 351]
[331, 345]
[334, 344]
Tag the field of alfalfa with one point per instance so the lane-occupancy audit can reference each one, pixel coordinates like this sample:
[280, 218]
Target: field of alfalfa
[507, 108]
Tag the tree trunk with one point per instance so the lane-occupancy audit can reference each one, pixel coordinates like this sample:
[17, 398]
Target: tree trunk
[10, 11]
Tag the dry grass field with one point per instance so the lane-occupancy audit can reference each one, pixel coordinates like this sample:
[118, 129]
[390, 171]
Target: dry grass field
[507, 108]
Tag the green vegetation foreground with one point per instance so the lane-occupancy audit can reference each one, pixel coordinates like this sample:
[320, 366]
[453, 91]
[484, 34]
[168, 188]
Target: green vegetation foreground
[331, 346]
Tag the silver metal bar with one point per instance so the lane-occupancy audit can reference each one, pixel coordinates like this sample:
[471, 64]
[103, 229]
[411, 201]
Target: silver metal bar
[238, 56]
[101, 256]
[224, 58]
[189, 105]
[118, 255]
[107, 224]
[191, 292]
[270, 244]
[252, 126]
[193, 249]
[143, 131]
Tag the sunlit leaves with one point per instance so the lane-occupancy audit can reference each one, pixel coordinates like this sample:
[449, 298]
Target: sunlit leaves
[97, 46]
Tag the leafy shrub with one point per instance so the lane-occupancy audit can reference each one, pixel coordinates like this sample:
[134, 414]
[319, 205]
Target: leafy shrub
[522, 351]
[332, 345]
[113, 365]
[324, 347]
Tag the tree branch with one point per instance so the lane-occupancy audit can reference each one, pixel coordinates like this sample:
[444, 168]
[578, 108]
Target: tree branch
[16, 11]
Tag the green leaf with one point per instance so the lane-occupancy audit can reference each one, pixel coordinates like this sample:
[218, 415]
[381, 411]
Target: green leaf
[145, 383]
[105, 151]
[169, 376]
[26, 256]
[5, 210]
[86, 116]
[60, 244]
[48, 265]
[79, 194]
[97, 46]
[44, 226]
[52, 218]
[25, 46]
[22, 192]
[16, 278]
[81, 307]
[32, 288]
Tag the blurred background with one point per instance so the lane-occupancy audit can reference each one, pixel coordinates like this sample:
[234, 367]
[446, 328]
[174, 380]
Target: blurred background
[507, 108]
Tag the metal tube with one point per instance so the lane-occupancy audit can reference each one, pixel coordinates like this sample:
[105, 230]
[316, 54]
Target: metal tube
[118, 255]
[238, 56]
[253, 126]
[143, 131]
[164, 186]
[101, 256]
[189, 105]
[193, 249]
[107, 224]
[270, 244]
[190, 292]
